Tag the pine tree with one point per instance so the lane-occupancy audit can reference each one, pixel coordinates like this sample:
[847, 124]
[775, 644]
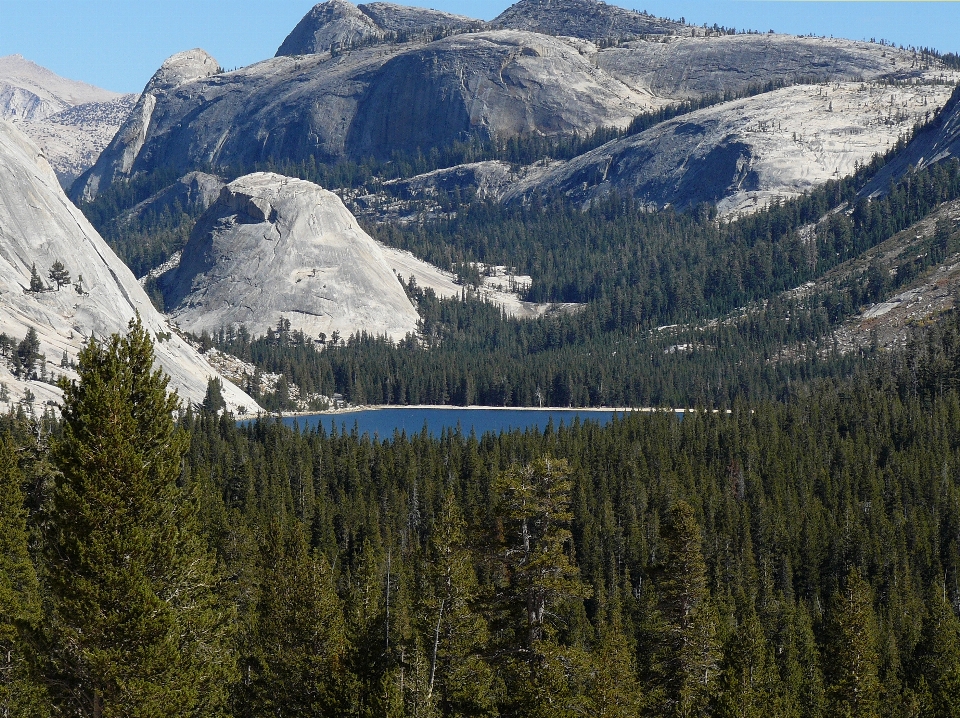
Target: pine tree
[297, 662]
[458, 677]
[940, 658]
[853, 676]
[134, 621]
[58, 274]
[749, 684]
[20, 694]
[535, 501]
[689, 644]
[613, 690]
[535, 505]
[213, 400]
[36, 284]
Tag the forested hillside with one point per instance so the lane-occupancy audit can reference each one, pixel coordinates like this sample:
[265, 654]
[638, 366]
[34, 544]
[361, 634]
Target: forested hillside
[795, 559]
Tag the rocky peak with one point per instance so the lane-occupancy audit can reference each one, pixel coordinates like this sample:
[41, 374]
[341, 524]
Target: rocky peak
[182, 68]
[404, 19]
[273, 247]
[335, 22]
[31, 92]
[590, 19]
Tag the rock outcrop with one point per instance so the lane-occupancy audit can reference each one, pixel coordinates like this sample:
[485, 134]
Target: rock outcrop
[589, 19]
[118, 158]
[330, 24]
[402, 20]
[272, 247]
[744, 153]
[337, 24]
[40, 226]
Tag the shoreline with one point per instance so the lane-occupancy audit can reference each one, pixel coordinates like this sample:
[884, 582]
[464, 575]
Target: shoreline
[473, 407]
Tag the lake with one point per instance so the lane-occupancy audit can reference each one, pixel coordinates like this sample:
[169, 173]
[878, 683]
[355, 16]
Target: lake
[383, 422]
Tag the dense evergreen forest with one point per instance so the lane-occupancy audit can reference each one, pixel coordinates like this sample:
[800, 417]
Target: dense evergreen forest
[792, 558]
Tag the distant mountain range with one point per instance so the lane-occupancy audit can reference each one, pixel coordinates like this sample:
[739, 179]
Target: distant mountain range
[381, 80]
[72, 121]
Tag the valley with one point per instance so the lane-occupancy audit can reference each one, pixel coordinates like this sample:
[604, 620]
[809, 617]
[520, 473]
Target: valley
[308, 367]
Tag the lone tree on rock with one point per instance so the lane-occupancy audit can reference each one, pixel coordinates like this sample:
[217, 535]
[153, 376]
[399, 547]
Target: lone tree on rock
[58, 274]
[36, 284]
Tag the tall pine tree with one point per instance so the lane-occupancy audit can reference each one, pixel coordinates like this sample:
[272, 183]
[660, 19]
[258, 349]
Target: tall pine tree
[20, 695]
[134, 623]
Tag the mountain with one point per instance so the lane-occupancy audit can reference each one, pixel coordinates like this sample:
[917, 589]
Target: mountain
[40, 226]
[373, 100]
[744, 153]
[72, 121]
[588, 19]
[31, 92]
[337, 24]
[388, 87]
[273, 248]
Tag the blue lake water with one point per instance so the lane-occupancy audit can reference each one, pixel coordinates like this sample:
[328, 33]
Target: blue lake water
[383, 422]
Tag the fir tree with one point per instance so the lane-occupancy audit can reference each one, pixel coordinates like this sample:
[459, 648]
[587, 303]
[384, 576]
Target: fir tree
[20, 694]
[853, 675]
[457, 676]
[36, 284]
[940, 658]
[689, 644]
[298, 646]
[58, 274]
[134, 620]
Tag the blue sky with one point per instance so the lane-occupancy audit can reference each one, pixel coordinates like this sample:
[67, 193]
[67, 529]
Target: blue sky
[118, 44]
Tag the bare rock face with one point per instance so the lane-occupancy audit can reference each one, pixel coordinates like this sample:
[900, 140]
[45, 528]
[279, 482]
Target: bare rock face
[939, 141]
[330, 24]
[372, 100]
[339, 24]
[743, 154]
[40, 226]
[73, 122]
[588, 19]
[402, 19]
[273, 247]
[378, 99]
[503, 83]
[687, 67]
[31, 92]
[118, 158]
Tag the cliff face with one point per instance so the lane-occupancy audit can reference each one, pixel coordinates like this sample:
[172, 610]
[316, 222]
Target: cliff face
[503, 83]
[339, 24]
[272, 247]
[40, 226]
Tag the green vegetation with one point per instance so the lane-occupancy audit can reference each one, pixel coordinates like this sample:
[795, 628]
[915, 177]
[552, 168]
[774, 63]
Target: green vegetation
[793, 558]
